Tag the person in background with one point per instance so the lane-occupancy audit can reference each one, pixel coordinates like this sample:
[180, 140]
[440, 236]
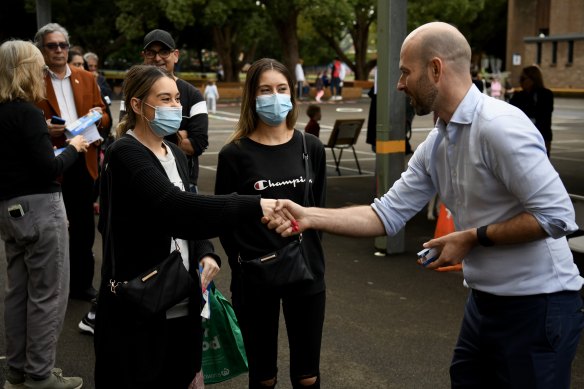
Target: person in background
[372, 116]
[265, 146]
[496, 88]
[160, 50]
[147, 210]
[336, 69]
[477, 80]
[536, 101]
[76, 59]
[92, 61]
[524, 315]
[72, 93]
[319, 86]
[509, 90]
[33, 224]
[314, 113]
[300, 80]
[211, 94]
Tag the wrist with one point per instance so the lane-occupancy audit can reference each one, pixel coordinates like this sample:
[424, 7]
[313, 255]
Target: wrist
[482, 237]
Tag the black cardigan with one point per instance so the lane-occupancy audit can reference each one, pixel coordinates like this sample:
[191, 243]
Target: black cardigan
[147, 210]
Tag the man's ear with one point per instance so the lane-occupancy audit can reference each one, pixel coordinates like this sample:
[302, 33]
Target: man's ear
[436, 68]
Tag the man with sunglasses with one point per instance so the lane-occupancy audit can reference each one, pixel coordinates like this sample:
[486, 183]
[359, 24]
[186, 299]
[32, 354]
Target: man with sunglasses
[72, 93]
[160, 50]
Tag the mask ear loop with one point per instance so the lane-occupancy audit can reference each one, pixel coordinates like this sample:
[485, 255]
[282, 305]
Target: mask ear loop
[144, 117]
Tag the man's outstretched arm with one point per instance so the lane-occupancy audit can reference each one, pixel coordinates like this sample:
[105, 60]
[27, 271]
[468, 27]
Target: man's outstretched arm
[357, 221]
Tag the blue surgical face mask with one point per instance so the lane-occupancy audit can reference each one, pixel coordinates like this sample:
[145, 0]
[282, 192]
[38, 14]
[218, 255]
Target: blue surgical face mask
[166, 120]
[273, 109]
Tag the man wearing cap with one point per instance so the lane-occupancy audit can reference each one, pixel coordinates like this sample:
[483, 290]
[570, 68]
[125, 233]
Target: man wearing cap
[160, 50]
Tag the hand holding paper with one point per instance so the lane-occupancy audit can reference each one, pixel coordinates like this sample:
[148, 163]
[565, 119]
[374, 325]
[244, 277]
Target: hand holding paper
[85, 126]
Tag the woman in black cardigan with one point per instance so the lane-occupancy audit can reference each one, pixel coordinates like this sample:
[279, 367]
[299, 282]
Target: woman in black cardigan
[149, 207]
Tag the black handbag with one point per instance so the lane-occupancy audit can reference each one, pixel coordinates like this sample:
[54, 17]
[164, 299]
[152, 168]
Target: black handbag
[286, 266]
[157, 289]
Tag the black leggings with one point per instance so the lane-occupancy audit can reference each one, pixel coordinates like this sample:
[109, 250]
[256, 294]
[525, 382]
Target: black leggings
[258, 314]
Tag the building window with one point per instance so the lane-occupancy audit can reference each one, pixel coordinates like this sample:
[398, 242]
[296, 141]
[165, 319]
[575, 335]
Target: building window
[538, 54]
[554, 52]
[570, 52]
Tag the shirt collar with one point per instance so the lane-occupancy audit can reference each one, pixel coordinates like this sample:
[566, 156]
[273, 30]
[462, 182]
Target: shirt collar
[54, 76]
[465, 111]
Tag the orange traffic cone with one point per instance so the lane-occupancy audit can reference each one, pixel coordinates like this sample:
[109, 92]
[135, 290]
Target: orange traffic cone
[444, 226]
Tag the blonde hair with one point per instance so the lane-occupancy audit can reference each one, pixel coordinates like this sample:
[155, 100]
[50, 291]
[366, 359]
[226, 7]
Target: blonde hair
[248, 118]
[138, 82]
[21, 72]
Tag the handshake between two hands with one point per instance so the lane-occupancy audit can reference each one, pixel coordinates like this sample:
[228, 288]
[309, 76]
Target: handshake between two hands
[284, 216]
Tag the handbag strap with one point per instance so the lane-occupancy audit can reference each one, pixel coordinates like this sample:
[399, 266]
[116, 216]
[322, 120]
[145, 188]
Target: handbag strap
[306, 170]
[109, 236]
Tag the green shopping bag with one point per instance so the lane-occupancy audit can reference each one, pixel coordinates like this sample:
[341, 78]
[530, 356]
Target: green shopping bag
[223, 350]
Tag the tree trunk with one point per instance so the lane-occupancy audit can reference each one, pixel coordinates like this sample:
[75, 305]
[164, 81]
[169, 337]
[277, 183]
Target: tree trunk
[286, 23]
[222, 38]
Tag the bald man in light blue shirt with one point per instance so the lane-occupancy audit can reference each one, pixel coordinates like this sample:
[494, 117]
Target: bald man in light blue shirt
[487, 161]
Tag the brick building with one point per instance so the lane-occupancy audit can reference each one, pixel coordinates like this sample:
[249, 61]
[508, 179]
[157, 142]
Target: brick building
[549, 33]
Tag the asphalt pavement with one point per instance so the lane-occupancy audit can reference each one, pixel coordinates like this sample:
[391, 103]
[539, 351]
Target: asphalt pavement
[389, 323]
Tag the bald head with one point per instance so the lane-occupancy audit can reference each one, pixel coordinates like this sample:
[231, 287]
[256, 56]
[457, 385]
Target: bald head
[442, 40]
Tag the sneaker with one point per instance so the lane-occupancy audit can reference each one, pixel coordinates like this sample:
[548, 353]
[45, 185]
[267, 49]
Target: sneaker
[54, 381]
[14, 379]
[87, 324]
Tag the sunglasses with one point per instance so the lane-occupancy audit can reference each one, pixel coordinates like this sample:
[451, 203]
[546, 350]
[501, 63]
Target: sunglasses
[55, 46]
[164, 53]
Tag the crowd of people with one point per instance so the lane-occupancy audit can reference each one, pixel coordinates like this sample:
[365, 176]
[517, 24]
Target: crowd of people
[145, 179]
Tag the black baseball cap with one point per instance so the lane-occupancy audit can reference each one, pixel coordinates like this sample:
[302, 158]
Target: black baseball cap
[159, 36]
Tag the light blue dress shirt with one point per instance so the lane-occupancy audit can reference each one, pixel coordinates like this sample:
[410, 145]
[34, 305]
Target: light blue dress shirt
[488, 165]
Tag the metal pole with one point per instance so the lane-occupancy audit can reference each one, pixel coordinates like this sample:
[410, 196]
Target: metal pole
[43, 11]
[391, 119]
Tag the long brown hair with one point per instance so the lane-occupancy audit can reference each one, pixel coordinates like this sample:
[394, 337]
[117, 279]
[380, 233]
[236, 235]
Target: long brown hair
[138, 82]
[534, 73]
[248, 118]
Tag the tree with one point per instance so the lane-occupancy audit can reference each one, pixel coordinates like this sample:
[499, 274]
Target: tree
[284, 16]
[334, 20]
[237, 26]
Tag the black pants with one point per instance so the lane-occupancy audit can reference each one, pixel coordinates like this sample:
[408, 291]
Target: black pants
[258, 313]
[517, 341]
[78, 197]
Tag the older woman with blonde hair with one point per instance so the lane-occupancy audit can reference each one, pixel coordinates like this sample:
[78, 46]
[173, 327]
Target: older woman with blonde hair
[33, 223]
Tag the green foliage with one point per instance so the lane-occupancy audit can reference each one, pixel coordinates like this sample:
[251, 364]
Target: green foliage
[313, 49]
[457, 12]
[284, 29]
